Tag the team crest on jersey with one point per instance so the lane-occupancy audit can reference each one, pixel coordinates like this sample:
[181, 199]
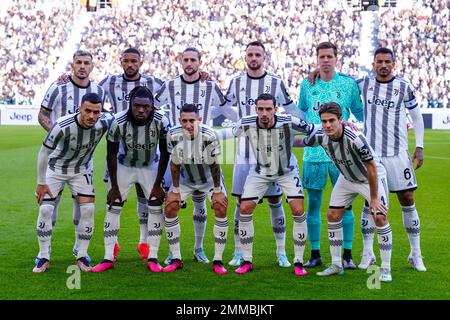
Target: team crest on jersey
[152, 132]
[396, 92]
[267, 89]
[281, 135]
[338, 95]
[202, 93]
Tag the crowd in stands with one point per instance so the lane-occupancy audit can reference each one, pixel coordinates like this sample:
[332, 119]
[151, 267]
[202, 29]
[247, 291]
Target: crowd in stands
[220, 30]
[32, 38]
[420, 39]
[32, 35]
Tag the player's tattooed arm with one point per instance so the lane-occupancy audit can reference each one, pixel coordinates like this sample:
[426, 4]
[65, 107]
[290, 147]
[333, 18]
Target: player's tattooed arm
[44, 119]
[215, 173]
[111, 160]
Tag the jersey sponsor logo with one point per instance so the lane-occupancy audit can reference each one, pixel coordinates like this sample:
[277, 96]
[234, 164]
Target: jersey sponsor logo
[380, 102]
[343, 162]
[125, 96]
[248, 102]
[141, 146]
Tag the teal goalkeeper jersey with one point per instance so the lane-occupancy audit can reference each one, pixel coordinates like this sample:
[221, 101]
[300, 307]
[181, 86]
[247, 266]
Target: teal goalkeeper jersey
[341, 89]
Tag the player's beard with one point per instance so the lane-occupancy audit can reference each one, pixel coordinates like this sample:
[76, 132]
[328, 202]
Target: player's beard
[257, 66]
[131, 74]
[190, 73]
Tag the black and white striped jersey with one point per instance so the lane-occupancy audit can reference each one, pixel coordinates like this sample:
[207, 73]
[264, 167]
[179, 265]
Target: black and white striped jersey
[348, 153]
[138, 144]
[74, 145]
[385, 105]
[177, 91]
[65, 98]
[118, 89]
[243, 92]
[195, 156]
[271, 148]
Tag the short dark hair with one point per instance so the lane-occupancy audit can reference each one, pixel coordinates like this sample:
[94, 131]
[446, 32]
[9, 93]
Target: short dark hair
[131, 50]
[192, 49]
[91, 97]
[256, 44]
[331, 107]
[266, 96]
[189, 107]
[384, 50]
[326, 45]
[82, 53]
[141, 92]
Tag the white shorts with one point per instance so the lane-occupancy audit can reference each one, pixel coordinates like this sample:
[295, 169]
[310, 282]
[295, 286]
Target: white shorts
[127, 177]
[241, 171]
[344, 191]
[187, 188]
[256, 185]
[399, 172]
[80, 184]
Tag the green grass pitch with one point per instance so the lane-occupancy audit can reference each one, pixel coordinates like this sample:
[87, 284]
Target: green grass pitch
[131, 280]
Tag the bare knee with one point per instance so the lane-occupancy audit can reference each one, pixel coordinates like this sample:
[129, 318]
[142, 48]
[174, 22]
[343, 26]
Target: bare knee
[406, 198]
[335, 215]
[172, 210]
[380, 220]
[220, 211]
[297, 208]
[247, 207]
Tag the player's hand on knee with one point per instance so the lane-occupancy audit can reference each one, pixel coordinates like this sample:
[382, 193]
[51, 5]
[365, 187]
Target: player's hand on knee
[113, 196]
[173, 198]
[220, 198]
[41, 191]
[377, 207]
[157, 195]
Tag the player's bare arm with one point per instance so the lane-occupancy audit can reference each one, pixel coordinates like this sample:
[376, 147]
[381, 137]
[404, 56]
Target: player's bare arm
[111, 159]
[42, 188]
[44, 119]
[218, 196]
[174, 196]
[157, 190]
[375, 205]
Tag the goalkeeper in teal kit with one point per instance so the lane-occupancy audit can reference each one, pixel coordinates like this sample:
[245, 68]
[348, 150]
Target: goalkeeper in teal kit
[331, 87]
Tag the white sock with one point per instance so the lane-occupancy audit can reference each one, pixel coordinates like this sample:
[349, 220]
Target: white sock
[237, 240]
[246, 234]
[142, 212]
[155, 227]
[220, 237]
[335, 236]
[278, 225]
[76, 220]
[111, 230]
[85, 228]
[385, 244]
[368, 230]
[300, 233]
[199, 218]
[173, 236]
[44, 228]
[411, 222]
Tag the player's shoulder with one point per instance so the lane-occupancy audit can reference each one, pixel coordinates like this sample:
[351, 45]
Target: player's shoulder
[403, 81]
[66, 120]
[121, 117]
[352, 134]
[207, 131]
[159, 115]
[176, 130]
[345, 78]
[283, 118]
[273, 75]
[246, 120]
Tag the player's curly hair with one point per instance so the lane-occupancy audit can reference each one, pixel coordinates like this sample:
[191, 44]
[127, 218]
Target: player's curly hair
[141, 92]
